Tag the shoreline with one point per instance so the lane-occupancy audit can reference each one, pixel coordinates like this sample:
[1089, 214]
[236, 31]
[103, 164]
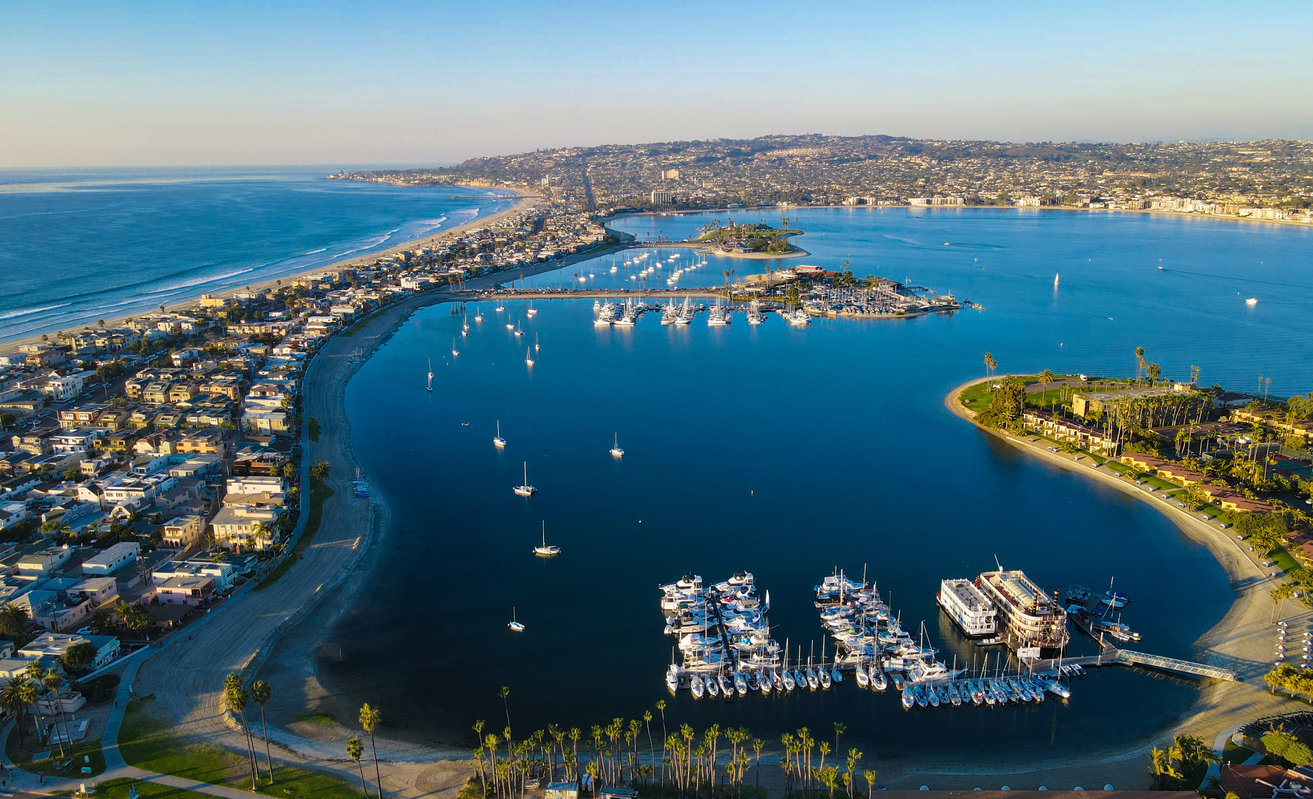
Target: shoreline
[1068, 209]
[524, 201]
[1239, 640]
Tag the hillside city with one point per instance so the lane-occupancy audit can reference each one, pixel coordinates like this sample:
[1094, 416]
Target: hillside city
[1263, 180]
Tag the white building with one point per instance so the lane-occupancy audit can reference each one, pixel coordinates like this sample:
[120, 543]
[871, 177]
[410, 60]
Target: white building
[109, 561]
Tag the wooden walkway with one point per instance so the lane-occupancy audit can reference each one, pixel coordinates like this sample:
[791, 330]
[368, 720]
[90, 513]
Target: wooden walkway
[1112, 656]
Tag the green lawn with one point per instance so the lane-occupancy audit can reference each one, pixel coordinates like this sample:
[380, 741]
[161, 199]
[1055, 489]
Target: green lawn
[977, 398]
[67, 765]
[1283, 559]
[146, 742]
[118, 789]
[1231, 753]
[319, 493]
[313, 424]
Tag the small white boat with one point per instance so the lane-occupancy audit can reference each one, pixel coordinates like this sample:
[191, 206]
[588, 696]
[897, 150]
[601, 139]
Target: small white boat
[726, 685]
[1055, 280]
[695, 684]
[454, 351]
[863, 678]
[430, 374]
[789, 682]
[500, 307]
[546, 550]
[532, 310]
[516, 627]
[616, 452]
[525, 490]
[713, 688]
[528, 356]
[1252, 301]
[878, 681]
[672, 678]
[908, 698]
[499, 442]
[478, 317]
[740, 684]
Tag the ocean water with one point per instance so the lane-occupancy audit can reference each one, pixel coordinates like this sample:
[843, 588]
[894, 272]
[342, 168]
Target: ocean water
[790, 453]
[90, 244]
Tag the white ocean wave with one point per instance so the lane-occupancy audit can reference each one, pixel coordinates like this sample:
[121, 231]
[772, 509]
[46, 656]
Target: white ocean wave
[316, 252]
[26, 311]
[199, 281]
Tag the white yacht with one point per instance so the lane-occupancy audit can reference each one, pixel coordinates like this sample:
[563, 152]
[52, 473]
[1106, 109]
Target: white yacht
[616, 452]
[968, 606]
[719, 316]
[546, 550]
[629, 317]
[499, 442]
[798, 318]
[525, 490]
[755, 316]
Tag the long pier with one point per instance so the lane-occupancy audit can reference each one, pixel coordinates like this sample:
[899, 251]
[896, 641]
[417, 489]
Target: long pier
[1112, 656]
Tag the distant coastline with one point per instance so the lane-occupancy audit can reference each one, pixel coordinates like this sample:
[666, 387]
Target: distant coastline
[524, 201]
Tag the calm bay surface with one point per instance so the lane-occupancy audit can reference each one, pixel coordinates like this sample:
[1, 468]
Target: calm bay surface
[90, 244]
[790, 453]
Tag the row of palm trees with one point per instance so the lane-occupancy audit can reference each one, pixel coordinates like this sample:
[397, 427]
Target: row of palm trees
[713, 763]
[26, 690]
[237, 697]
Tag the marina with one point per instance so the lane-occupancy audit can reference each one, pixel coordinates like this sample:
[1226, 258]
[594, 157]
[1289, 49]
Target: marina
[722, 636]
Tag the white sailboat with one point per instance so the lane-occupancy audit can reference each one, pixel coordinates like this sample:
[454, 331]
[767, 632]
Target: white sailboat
[616, 452]
[532, 310]
[525, 490]
[516, 627]
[430, 374]
[499, 442]
[528, 356]
[1055, 280]
[546, 550]
[454, 351]
[536, 345]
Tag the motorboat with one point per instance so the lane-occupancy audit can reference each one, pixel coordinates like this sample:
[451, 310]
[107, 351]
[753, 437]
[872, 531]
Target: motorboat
[713, 688]
[546, 550]
[878, 680]
[525, 490]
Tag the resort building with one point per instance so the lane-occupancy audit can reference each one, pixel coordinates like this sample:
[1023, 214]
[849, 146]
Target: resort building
[1087, 437]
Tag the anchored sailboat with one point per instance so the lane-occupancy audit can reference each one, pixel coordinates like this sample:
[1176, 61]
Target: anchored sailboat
[616, 452]
[499, 442]
[430, 374]
[525, 490]
[516, 627]
[528, 356]
[454, 351]
[546, 550]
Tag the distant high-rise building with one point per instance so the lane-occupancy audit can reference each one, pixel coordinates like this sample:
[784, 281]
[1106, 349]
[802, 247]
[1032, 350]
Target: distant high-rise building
[663, 198]
[670, 174]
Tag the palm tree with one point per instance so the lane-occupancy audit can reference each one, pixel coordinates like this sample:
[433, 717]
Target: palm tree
[1279, 594]
[53, 681]
[234, 696]
[1046, 377]
[839, 729]
[1139, 361]
[369, 719]
[1154, 371]
[37, 674]
[869, 776]
[261, 693]
[503, 693]
[17, 694]
[990, 364]
[354, 750]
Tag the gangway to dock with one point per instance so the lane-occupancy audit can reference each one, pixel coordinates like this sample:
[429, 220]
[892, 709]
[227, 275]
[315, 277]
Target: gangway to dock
[1173, 665]
[1112, 656]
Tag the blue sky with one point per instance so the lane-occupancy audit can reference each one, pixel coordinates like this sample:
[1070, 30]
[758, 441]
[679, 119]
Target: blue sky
[109, 83]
